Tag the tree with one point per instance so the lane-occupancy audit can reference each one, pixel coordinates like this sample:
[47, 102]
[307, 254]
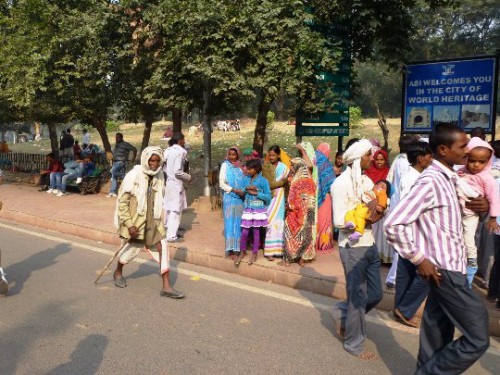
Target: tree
[471, 27]
[30, 64]
[135, 65]
[200, 59]
[377, 86]
[56, 61]
[284, 55]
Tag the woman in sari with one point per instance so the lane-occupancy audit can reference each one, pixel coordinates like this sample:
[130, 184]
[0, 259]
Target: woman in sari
[299, 222]
[326, 176]
[308, 155]
[231, 183]
[276, 173]
[379, 168]
[378, 171]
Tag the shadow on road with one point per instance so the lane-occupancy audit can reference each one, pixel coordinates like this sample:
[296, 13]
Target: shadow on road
[46, 322]
[152, 268]
[86, 358]
[397, 359]
[20, 272]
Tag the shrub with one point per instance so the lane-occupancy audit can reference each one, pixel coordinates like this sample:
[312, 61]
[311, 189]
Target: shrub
[354, 117]
[112, 126]
[270, 120]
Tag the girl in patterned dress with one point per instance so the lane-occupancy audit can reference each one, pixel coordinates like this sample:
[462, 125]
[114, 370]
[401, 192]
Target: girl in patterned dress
[257, 195]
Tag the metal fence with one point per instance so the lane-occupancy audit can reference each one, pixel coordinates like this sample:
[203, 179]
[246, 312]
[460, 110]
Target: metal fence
[34, 163]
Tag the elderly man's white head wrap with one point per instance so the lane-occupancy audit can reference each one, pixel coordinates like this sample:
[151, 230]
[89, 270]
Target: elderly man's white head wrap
[352, 157]
[136, 183]
[146, 155]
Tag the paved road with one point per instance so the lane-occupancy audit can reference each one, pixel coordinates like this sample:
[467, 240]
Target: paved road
[55, 321]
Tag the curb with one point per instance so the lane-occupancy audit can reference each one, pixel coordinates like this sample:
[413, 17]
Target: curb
[273, 274]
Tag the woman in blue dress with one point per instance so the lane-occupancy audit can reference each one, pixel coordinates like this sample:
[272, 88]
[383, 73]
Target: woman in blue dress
[231, 182]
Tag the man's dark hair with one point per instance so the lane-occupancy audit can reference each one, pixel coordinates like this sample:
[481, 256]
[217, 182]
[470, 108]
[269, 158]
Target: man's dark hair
[417, 149]
[350, 142]
[339, 153]
[85, 130]
[51, 155]
[496, 148]
[388, 186]
[405, 141]
[175, 139]
[68, 130]
[119, 134]
[478, 132]
[254, 164]
[443, 135]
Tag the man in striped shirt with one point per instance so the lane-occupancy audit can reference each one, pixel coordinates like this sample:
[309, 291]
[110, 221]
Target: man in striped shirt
[426, 228]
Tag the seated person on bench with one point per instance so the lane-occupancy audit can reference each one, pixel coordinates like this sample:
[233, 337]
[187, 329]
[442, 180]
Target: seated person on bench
[73, 170]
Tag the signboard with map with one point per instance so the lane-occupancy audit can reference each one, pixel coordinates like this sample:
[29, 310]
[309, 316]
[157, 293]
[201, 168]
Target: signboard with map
[462, 92]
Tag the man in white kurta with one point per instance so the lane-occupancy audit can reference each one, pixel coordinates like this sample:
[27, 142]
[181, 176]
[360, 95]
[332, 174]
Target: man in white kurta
[175, 195]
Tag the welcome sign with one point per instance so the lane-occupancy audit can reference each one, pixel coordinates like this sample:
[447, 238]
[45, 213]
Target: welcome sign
[461, 92]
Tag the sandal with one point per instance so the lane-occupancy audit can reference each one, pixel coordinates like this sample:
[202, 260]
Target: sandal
[239, 258]
[253, 259]
[120, 281]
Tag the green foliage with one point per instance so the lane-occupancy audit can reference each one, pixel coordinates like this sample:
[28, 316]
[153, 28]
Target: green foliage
[66, 60]
[270, 120]
[355, 117]
[112, 126]
[472, 27]
[378, 86]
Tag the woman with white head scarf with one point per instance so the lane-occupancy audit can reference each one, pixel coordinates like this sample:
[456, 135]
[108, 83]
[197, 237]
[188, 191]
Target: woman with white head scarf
[360, 260]
[139, 217]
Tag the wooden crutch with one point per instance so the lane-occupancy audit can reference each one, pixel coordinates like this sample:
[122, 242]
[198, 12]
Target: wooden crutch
[111, 260]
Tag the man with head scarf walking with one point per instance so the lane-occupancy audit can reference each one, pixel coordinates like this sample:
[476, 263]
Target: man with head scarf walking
[139, 218]
[360, 259]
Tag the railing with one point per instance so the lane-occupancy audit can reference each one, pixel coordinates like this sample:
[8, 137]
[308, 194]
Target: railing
[34, 163]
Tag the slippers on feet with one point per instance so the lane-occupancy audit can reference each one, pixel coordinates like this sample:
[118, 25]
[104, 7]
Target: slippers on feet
[172, 294]
[120, 282]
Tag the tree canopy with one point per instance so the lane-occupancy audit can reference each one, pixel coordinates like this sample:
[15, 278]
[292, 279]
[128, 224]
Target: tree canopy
[65, 60]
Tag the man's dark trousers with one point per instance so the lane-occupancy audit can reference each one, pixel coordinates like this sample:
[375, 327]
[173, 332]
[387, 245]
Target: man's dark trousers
[411, 289]
[451, 305]
[364, 292]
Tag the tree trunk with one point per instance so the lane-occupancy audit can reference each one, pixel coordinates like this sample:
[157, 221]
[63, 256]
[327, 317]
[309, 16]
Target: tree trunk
[382, 123]
[148, 125]
[259, 137]
[54, 140]
[207, 140]
[100, 126]
[177, 120]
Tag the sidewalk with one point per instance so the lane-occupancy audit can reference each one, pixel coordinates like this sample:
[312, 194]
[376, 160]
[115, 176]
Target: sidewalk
[91, 217]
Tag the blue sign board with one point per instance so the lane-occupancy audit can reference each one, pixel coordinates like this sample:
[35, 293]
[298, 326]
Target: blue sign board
[460, 92]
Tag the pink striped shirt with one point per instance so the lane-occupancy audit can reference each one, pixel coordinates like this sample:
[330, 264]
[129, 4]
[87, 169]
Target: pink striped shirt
[427, 223]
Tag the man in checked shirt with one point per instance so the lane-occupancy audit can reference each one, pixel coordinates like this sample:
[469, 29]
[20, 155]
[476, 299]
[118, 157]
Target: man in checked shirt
[426, 228]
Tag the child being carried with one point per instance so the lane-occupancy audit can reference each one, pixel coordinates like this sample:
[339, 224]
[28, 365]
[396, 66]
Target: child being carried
[357, 217]
[476, 180]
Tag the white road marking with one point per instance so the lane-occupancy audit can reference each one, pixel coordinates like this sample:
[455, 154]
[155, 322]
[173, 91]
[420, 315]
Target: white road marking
[376, 317]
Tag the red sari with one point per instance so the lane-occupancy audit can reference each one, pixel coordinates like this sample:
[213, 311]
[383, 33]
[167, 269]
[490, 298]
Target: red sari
[299, 221]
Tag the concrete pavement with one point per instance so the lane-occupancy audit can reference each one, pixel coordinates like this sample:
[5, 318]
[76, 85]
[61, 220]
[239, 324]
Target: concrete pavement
[91, 217]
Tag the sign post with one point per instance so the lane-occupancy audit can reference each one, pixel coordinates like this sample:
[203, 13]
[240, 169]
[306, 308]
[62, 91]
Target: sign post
[333, 86]
[460, 91]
